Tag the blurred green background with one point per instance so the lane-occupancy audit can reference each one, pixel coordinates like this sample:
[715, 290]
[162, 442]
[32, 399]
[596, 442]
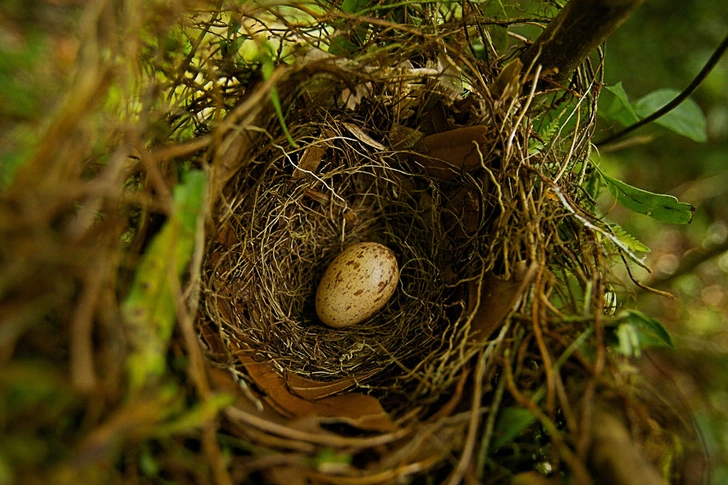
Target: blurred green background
[664, 45]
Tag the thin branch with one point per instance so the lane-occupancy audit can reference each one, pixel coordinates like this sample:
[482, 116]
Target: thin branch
[574, 33]
[678, 99]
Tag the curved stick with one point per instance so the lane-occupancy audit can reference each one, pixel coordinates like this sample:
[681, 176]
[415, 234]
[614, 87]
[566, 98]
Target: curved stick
[678, 99]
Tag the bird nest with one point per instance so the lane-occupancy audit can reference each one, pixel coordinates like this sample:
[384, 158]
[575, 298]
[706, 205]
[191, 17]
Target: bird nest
[448, 161]
[368, 165]
[476, 175]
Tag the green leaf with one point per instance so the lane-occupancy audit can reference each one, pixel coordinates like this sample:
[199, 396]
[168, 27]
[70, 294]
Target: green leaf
[198, 415]
[329, 456]
[350, 40]
[148, 464]
[620, 110]
[354, 6]
[687, 119]
[546, 133]
[150, 308]
[628, 341]
[648, 328]
[665, 208]
[265, 56]
[635, 331]
[632, 243]
[511, 422]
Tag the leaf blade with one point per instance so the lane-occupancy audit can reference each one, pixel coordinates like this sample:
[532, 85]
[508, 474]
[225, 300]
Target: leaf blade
[648, 326]
[665, 208]
[628, 239]
[687, 119]
[149, 309]
[511, 422]
[620, 110]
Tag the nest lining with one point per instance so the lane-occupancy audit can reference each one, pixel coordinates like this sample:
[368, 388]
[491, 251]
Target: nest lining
[289, 227]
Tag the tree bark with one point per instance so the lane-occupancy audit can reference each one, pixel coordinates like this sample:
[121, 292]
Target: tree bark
[574, 33]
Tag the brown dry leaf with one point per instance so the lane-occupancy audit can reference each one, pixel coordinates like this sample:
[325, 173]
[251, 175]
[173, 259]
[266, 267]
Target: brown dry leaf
[310, 160]
[497, 298]
[448, 152]
[211, 338]
[363, 137]
[222, 381]
[314, 390]
[358, 410]
[350, 216]
[320, 197]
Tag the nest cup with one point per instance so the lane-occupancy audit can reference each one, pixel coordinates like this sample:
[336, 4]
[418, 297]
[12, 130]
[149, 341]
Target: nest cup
[291, 212]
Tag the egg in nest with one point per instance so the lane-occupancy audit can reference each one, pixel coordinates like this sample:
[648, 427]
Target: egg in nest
[357, 284]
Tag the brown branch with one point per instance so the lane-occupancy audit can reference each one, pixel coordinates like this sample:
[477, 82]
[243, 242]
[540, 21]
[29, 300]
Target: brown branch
[574, 33]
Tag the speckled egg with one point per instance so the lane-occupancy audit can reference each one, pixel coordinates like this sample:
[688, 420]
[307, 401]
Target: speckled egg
[357, 283]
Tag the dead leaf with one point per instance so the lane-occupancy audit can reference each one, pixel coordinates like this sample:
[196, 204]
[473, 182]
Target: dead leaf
[314, 390]
[310, 160]
[210, 337]
[352, 99]
[319, 197]
[404, 138]
[358, 410]
[350, 216]
[496, 299]
[447, 153]
[362, 136]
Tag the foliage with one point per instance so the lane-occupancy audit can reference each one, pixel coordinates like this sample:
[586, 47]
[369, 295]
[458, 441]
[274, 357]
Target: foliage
[632, 331]
[686, 260]
[150, 309]
[687, 119]
[665, 208]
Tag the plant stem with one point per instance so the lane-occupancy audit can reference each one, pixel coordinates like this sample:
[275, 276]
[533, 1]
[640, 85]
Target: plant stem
[574, 33]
